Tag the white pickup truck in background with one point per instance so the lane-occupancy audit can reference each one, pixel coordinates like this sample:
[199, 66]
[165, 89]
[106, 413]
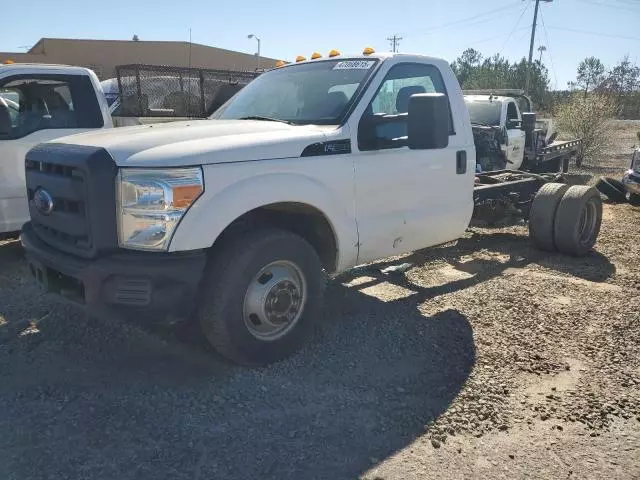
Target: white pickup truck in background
[39, 103]
[509, 135]
[311, 169]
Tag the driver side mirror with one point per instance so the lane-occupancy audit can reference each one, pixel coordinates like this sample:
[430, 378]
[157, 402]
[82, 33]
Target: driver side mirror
[428, 122]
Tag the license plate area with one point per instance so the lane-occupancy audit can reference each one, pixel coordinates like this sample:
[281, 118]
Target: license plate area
[52, 281]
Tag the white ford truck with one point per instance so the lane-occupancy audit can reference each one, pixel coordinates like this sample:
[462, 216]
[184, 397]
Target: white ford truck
[313, 168]
[39, 103]
[508, 135]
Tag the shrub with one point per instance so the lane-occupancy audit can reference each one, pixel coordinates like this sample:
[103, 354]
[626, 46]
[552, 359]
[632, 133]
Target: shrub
[589, 119]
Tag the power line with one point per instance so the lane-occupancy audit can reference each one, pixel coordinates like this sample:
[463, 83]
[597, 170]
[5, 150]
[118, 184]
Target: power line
[587, 32]
[629, 2]
[395, 42]
[546, 36]
[495, 37]
[524, 10]
[608, 5]
[474, 20]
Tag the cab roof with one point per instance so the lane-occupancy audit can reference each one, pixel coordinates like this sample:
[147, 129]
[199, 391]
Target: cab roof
[485, 98]
[38, 67]
[373, 56]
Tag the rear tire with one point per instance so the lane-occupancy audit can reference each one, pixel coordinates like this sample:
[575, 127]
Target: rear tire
[543, 214]
[634, 199]
[578, 220]
[260, 295]
[613, 189]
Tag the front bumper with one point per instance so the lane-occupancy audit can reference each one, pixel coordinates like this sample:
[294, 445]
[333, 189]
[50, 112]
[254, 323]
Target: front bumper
[127, 282]
[631, 180]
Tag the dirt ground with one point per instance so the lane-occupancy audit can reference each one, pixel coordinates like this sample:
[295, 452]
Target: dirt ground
[488, 359]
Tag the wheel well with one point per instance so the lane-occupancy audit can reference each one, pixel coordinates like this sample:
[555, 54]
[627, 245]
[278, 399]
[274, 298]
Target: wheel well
[299, 218]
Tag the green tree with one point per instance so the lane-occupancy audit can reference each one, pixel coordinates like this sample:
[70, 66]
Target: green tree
[464, 66]
[474, 72]
[623, 78]
[587, 119]
[590, 74]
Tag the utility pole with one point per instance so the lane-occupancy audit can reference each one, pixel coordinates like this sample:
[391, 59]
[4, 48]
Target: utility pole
[395, 42]
[533, 39]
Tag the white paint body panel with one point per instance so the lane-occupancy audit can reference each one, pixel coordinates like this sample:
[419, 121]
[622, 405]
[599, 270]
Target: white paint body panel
[411, 199]
[14, 211]
[515, 136]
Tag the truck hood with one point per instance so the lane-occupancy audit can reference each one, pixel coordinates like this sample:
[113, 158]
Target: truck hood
[201, 142]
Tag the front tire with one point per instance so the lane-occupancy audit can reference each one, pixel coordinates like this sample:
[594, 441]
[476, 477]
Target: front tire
[260, 295]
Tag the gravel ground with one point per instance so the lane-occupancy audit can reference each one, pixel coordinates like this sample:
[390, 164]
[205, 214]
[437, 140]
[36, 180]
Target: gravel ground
[488, 359]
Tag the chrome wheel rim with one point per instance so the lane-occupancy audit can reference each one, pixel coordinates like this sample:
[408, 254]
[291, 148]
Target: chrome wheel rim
[274, 300]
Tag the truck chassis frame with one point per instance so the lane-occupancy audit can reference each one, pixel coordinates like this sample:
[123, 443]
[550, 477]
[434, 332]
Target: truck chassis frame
[503, 194]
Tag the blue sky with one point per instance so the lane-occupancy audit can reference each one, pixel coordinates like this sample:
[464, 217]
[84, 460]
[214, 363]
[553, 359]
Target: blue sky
[289, 28]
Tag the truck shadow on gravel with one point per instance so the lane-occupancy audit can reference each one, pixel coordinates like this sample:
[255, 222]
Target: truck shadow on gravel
[86, 398]
[82, 398]
[489, 256]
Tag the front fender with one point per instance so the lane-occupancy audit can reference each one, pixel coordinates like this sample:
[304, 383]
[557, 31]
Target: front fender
[224, 201]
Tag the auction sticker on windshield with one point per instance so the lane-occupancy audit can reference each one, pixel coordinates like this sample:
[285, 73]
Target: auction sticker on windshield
[354, 65]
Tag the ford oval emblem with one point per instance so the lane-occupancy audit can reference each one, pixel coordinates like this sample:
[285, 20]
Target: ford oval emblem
[43, 201]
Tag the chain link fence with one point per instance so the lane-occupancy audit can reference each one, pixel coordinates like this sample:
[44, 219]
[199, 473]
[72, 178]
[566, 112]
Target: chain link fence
[160, 91]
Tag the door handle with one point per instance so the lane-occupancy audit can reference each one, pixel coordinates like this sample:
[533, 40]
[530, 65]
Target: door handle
[461, 162]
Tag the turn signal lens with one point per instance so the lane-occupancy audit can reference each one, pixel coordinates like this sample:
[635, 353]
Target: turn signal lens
[315, 55]
[368, 51]
[334, 53]
[300, 58]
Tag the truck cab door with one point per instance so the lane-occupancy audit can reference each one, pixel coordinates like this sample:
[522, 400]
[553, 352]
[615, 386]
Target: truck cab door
[515, 136]
[36, 109]
[407, 199]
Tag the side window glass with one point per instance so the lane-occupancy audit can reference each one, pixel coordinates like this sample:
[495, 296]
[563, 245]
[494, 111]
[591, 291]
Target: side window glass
[9, 111]
[393, 96]
[512, 112]
[392, 99]
[45, 103]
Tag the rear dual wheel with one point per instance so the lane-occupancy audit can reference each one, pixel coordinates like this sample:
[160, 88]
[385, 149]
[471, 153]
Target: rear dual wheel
[566, 219]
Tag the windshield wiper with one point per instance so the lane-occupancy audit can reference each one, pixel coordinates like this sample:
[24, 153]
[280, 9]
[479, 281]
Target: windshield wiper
[266, 119]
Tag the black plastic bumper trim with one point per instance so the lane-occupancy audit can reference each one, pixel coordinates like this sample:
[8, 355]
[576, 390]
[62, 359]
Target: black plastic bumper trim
[120, 283]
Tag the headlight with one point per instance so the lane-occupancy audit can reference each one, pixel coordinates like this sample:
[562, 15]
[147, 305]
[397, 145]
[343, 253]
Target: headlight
[152, 202]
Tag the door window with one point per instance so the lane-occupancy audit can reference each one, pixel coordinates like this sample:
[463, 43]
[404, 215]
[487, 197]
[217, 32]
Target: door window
[51, 102]
[512, 112]
[392, 99]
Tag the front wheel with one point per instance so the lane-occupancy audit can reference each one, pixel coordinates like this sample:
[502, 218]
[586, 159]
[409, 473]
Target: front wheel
[260, 296]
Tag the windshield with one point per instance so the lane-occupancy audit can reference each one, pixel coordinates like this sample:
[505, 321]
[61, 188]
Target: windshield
[487, 113]
[310, 93]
